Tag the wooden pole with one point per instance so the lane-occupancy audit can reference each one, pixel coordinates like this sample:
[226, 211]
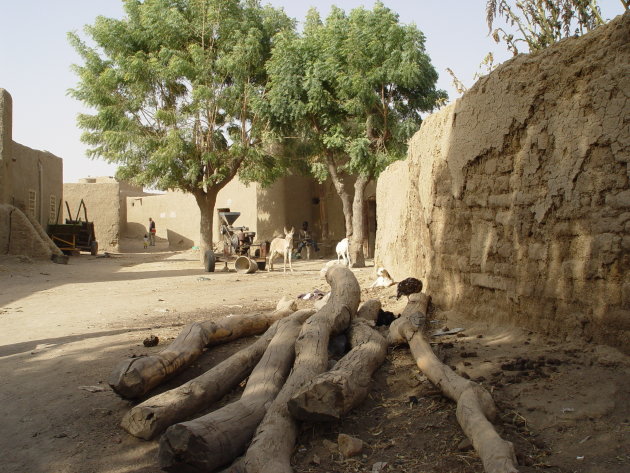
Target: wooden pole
[271, 449]
[475, 407]
[156, 414]
[216, 439]
[332, 394]
[135, 377]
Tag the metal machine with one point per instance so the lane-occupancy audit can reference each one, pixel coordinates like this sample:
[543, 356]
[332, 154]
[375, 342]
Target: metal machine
[239, 241]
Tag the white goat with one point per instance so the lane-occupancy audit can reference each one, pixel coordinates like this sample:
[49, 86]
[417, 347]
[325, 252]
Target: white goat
[282, 246]
[343, 251]
[384, 279]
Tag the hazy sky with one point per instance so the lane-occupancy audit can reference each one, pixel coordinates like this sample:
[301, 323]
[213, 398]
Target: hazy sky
[35, 59]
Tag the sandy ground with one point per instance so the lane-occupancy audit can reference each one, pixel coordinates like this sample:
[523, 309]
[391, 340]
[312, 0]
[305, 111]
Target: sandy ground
[63, 329]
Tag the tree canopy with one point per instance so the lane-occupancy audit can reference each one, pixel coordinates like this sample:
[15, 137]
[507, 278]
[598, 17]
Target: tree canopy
[349, 92]
[354, 86]
[171, 85]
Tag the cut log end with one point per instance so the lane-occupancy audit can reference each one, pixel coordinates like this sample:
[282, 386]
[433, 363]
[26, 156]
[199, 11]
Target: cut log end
[177, 451]
[140, 422]
[126, 381]
[321, 401]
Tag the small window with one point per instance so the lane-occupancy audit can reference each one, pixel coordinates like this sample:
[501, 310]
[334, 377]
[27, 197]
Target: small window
[32, 203]
[53, 209]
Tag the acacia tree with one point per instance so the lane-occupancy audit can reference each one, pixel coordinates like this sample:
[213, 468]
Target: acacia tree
[352, 88]
[171, 85]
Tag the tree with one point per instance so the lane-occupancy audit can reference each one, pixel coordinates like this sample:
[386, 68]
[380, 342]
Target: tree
[350, 89]
[540, 23]
[172, 85]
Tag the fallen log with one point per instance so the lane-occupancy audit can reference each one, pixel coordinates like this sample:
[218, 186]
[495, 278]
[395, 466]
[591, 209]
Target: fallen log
[135, 377]
[369, 310]
[156, 414]
[271, 448]
[475, 407]
[332, 394]
[214, 440]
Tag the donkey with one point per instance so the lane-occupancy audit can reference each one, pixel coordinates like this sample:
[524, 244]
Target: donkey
[282, 246]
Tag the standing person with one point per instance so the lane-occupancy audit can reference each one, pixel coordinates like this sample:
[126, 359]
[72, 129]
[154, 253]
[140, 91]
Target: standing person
[306, 239]
[151, 232]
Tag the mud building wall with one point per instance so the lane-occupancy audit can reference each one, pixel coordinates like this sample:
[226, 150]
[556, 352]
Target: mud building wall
[514, 202]
[37, 183]
[287, 202]
[29, 179]
[103, 208]
[6, 139]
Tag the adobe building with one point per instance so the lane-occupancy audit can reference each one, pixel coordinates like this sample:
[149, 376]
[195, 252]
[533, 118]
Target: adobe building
[31, 180]
[30, 191]
[105, 200]
[288, 202]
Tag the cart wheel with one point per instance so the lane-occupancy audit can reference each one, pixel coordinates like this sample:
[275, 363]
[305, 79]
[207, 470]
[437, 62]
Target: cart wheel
[209, 261]
[94, 248]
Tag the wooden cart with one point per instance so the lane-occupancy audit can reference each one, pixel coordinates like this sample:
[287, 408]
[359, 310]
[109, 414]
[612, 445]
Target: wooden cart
[76, 235]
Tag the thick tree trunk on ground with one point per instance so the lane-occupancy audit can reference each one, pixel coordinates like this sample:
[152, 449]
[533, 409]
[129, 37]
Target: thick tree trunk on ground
[340, 187]
[158, 413]
[136, 376]
[270, 451]
[369, 310]
[358, 223]
[206, 202]
[216, 439]
[474, 404]
[332, 394]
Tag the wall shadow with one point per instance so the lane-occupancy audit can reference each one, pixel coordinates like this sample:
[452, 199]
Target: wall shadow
[177, 241]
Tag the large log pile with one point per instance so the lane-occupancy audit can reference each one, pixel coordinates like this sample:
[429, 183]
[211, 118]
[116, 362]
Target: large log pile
[288, 381]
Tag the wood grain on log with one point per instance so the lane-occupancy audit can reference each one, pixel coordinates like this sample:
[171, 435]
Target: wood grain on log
[156, 414]
[334, 393]
[475, 407]
[214, 440]
[275, 437]
[369, 310]
[136, 376]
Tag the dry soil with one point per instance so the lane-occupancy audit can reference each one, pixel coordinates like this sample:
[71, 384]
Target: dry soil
[63, 329]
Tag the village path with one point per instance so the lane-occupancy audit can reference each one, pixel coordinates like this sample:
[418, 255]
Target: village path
[67, 326]
[64, 328]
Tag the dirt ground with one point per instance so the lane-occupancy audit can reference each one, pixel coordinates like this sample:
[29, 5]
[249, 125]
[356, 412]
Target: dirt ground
[63, 328]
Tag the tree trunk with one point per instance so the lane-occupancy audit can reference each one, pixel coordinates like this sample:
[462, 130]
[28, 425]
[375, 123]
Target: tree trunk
[270, 451]
[358, 223]
[216, 439]
[206, 202]
[156, 414]
[332, 394]
[340, 187]
[475, 406]
[136, 376]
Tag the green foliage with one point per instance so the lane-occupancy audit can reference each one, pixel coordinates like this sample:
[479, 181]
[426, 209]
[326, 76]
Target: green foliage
[171, 87]
[540, 23]
[353, 87]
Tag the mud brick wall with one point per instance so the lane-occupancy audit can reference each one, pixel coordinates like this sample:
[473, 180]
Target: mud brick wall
[514, 202]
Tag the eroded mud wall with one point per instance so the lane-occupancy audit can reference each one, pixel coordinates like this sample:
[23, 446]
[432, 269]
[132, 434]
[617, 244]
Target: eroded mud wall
[514, 202]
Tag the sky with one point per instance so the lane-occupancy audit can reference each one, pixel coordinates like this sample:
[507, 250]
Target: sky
[36, 59]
